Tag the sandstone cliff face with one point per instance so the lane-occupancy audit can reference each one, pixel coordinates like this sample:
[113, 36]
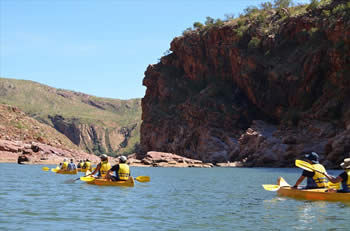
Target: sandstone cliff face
[216, 98]
[95, 138]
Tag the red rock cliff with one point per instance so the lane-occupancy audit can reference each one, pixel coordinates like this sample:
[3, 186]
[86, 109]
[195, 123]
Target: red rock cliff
[259, 98]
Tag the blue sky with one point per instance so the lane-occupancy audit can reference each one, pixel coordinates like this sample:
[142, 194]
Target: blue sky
[98, 47]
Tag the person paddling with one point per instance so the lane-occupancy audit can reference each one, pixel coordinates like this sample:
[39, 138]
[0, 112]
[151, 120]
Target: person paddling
[102, 168]
[314, 179]
[121, 171]
[344, 177]
[79, 165]
[87, 165]
[72, 166]
[64, 164]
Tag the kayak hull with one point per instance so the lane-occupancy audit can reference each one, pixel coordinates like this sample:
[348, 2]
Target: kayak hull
[103, 182]
[313, 194]
[310, 194]
[73, 172]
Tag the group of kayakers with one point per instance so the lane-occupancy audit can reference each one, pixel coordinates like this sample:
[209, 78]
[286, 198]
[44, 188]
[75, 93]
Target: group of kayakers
[118, 172]
[71, 166]
[319, 178]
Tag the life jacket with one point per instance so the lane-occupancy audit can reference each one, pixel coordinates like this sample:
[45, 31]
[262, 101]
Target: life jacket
[346, 184]
[87, 165]
[105, 166]
[123, 172]
[318, 180]
[83, 165]
[64, 165]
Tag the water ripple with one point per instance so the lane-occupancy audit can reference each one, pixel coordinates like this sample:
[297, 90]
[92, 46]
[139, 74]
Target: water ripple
[175, 199]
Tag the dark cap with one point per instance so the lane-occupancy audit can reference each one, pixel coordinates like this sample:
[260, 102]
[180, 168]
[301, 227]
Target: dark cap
[313, 157]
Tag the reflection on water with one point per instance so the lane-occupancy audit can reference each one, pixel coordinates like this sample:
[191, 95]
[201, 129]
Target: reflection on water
[175, 199]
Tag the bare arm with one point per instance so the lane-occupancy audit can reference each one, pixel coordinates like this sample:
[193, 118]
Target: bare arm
[301, 178]
[333, 179]
[96, 170]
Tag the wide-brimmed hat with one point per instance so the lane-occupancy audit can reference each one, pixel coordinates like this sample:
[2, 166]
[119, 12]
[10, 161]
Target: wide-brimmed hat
[345, 164]
[313, 157]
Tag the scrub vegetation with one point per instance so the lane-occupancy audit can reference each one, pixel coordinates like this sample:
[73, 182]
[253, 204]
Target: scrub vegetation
[268, 12]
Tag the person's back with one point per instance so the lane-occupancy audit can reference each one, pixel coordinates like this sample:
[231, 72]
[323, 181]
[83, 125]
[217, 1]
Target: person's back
[87, 165]
[71, 166]
[64, 165]
[316, 179]
[122, 170]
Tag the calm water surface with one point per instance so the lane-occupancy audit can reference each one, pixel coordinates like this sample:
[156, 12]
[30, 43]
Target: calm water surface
[175, 199]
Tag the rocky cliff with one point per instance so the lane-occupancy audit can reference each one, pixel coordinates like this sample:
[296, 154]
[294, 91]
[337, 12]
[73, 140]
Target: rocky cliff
[96, 125]
[262, 89]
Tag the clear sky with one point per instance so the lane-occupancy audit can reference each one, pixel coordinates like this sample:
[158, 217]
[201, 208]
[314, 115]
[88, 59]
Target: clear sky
[98, 47]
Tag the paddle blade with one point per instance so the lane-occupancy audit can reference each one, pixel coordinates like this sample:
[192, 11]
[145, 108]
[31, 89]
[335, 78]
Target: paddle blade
[87, 178]
[143, 178]
[304, 165]
[45, 168]
[271, 187]
[54, 169]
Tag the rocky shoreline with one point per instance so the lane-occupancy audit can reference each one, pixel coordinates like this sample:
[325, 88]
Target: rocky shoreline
[39, 153]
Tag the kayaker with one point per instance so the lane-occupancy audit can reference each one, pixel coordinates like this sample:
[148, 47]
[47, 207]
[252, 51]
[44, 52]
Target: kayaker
[121, 170]
[344, 177]
[87, 165]
[71, 165]
[64, 164]
[314, 179]
[80, 165]
[102, 168]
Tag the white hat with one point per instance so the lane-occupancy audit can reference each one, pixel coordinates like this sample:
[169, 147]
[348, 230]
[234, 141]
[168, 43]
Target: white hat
[345, 164]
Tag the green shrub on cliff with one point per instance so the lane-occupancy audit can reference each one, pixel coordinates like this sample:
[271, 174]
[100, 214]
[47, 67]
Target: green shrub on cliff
[254, 43]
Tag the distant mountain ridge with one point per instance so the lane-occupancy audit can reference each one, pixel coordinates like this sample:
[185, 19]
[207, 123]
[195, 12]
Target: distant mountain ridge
[97, 125]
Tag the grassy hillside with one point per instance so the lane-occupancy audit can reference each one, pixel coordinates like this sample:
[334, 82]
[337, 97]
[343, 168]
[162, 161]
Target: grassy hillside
[43, 102]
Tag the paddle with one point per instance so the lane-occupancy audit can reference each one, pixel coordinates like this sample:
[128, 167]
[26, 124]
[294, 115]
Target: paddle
[271, 187]
[139, 178]
[274, 187]
[143, 179]
[308, 167]
[54, 169]
[45, 169]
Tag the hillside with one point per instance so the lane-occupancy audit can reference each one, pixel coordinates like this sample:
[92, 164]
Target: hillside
[97, 125]
[16, 125]
[261, 89]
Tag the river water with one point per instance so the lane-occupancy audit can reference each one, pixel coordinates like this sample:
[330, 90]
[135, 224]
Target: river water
[175, 199]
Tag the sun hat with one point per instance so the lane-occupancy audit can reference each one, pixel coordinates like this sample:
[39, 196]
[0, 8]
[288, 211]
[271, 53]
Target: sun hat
[345, 164]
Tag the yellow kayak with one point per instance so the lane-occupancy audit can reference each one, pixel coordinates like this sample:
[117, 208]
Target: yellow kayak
[310, 194]
[67, 171]
[103, 182]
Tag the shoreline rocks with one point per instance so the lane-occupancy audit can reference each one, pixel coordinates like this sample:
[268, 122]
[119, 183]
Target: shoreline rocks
[38, 153]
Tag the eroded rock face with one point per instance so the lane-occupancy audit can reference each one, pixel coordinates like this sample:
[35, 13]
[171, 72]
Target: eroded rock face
[216, 99]
[93, 137]
[162, 159]
[38, 153]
